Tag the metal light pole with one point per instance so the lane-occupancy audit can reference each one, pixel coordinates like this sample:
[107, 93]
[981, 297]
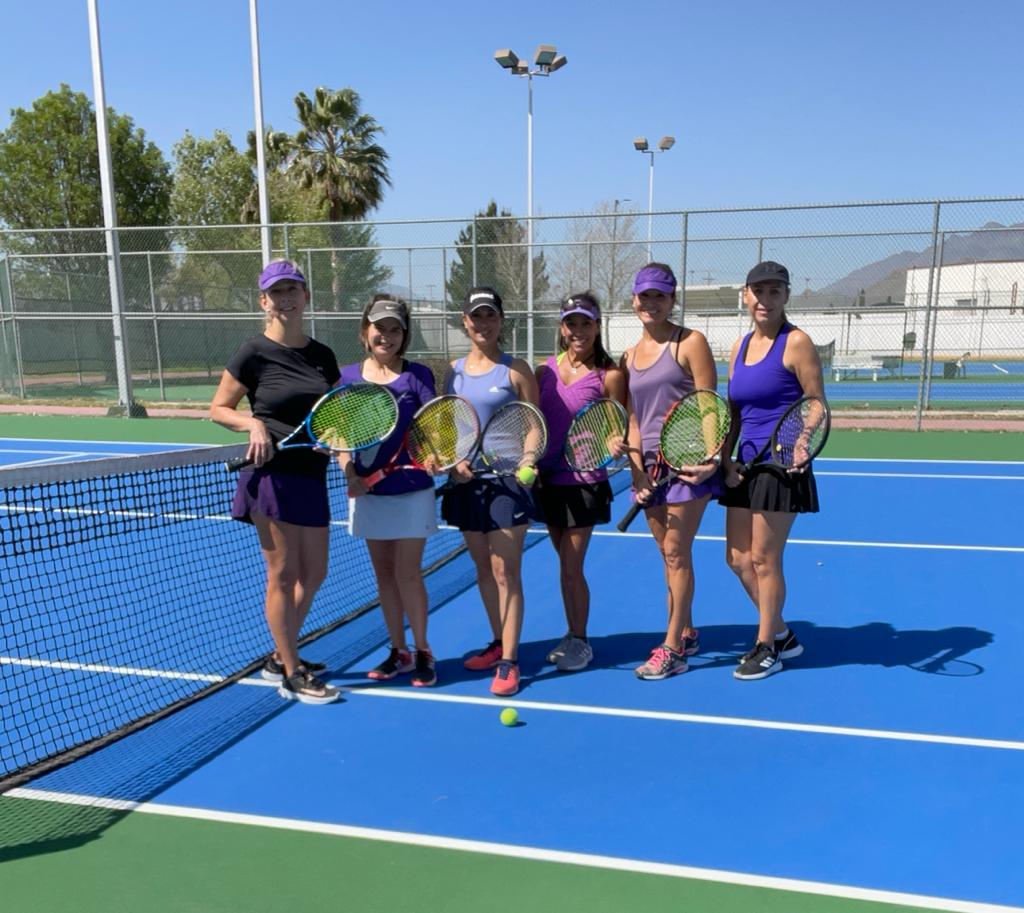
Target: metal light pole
[546, 59]
[261, 156]
[615, 246]
[640, 144]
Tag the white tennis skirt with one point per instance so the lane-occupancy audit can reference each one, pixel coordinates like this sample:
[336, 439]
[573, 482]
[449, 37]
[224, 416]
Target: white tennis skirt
[409, 516]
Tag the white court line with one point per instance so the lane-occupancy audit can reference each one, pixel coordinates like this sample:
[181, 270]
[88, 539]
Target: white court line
[585, 709]
[850, 543]
[918, 475]
[506, 850]
[66, 455]
[701, 719]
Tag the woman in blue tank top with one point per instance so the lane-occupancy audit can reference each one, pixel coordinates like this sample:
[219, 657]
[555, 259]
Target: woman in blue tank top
[668, 362]
[492, 513]
[769, 369]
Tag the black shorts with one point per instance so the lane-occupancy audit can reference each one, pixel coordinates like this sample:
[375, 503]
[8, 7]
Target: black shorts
[484, 505]
[575, 506]
[772, 491]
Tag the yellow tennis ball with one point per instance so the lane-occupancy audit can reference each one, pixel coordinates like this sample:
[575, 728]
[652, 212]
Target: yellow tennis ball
[509, 716]
[527, 475]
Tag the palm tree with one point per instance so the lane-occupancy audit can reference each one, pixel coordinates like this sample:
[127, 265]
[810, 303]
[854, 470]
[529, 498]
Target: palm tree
[335, 153]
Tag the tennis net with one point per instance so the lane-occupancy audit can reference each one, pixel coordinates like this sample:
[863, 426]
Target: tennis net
[128, 592]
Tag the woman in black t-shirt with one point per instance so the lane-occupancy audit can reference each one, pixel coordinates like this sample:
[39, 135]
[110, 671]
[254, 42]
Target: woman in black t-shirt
[283, 494]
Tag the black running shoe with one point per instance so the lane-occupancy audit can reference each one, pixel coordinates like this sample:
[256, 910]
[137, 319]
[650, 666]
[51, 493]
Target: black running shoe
[398, 663]
[423, 676]
[764, 662]
[302, 685]
[786, 645]
[273, 671]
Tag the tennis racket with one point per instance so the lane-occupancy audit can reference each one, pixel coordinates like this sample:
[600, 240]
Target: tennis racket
[594, 431]
[348, 418]
[515, 437]
[693, 431]
[798, 438]
[443, 432]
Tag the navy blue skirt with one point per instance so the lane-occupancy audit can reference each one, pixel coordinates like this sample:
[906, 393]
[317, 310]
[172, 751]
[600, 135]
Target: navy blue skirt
[484, 505]
[300, 500]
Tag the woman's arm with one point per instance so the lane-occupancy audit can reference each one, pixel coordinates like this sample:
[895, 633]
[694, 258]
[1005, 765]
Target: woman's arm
[801, 357]
[730, 469]
[523, 381]
[224, 411]
[694, 355]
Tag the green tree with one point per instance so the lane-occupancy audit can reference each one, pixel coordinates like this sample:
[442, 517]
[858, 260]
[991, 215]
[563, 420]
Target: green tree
[212, 181]
[50, 171]
[500, 259]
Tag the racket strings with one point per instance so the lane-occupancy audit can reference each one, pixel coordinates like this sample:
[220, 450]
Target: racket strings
[515, 436]
[593, 433]
[801, 433]
[695, 429]
[443, 433]
[356, 417]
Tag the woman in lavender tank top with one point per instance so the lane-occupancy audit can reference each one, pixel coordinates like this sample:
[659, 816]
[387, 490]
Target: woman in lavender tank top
[573, 502]
[396, 515]
[769, 369]
[667, 363]
[493, 514]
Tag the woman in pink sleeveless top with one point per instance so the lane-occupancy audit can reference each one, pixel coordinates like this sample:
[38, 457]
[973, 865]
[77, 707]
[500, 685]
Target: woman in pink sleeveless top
[667, 363]
[573, 503]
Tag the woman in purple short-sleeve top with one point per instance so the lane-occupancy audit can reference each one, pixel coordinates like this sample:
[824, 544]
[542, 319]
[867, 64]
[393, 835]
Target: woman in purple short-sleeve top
[398, 513]
[668, 362]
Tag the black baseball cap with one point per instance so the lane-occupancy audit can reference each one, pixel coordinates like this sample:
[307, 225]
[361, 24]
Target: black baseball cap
[768, 271]
[384, 308]
[482, 298]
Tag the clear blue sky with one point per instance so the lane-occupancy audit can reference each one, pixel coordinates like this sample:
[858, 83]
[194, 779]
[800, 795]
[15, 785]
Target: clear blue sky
[774, 101]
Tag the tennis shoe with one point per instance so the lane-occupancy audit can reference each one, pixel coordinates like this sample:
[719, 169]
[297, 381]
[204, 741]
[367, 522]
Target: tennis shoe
[559, 649]
[663, 663]
[506, 678]
[302, 685]
[763, 662]
[786, 645]
[487, 658]
[576, 656]
[690, 646]
[273, 671]
[398, 663]
[424, 675]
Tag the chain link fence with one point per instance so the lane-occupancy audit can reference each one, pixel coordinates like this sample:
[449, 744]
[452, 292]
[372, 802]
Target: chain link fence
[916, 307]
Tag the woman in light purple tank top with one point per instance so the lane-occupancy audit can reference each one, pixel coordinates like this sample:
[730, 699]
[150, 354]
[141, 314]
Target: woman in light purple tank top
[770, 369]
[574, 502]
[493, 514]
[667, 363]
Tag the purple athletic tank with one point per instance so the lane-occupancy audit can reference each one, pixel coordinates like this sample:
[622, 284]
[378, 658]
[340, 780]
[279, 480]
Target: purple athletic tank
[559, 403]
[652, 391]
[763, 391]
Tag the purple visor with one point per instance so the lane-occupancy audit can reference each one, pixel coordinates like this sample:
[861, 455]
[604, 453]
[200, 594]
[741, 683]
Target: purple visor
[652, 277]
[581, 305]
[279, 271]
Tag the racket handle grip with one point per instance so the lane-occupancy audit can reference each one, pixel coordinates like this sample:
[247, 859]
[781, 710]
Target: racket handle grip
[630, 516]
[237, 463]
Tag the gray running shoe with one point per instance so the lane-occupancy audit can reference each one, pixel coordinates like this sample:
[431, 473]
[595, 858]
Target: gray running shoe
[559, 648]
[578, 654]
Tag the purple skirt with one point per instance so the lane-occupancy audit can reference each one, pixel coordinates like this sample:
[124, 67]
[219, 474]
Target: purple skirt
[679, 492]
[300, 500]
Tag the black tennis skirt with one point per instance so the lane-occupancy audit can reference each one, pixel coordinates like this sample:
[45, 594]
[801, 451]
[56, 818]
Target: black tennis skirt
[484, 505]
[575, 506]
[772, 491]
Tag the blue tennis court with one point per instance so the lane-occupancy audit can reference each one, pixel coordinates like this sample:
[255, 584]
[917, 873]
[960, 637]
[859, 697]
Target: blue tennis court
[885, 764]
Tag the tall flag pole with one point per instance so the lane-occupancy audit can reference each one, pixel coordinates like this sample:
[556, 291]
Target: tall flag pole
[261, 156]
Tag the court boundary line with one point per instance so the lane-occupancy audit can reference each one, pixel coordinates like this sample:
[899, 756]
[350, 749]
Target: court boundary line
[369, 690]
[517, 851]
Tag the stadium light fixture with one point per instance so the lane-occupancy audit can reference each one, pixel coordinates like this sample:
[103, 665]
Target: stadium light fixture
[640, 144]
[546, 61]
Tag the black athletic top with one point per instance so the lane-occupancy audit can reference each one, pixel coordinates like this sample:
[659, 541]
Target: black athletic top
[282, 384]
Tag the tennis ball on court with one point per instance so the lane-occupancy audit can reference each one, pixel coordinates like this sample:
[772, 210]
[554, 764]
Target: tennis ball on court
[509, 716]
[527, 475]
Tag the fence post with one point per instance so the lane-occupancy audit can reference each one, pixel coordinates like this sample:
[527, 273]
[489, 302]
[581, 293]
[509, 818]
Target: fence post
[925, 366]
[309, 288]
[682, 294]
[473, 228]
[156, 329]
[19, 364]
[444, 291]
[935, 324]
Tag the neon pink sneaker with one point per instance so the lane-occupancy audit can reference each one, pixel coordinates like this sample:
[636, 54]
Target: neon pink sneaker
[506, 679]
[664, 662]
[487, 658]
